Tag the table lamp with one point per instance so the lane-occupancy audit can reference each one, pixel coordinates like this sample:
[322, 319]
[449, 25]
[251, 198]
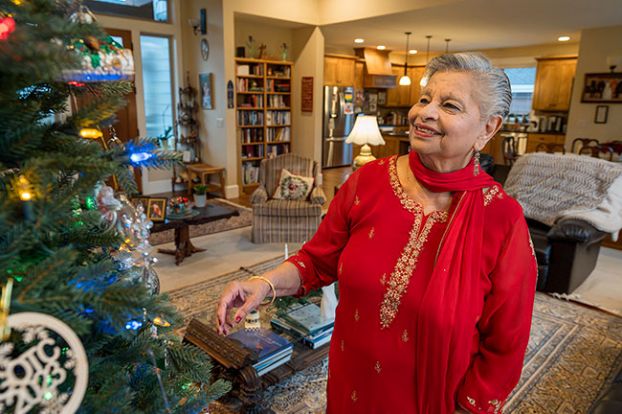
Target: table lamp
[365, 133]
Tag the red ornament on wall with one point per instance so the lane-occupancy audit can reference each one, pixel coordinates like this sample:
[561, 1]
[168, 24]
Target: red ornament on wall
[7, 26]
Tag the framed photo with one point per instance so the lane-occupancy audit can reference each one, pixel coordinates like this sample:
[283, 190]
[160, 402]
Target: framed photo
[602, 88]
[156, 209]
[601, 114]
[205, 84]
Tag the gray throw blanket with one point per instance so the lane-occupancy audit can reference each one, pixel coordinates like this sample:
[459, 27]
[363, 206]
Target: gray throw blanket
[550, 187]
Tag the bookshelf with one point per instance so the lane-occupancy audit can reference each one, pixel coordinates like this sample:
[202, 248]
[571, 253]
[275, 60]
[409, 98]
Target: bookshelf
[263, 114]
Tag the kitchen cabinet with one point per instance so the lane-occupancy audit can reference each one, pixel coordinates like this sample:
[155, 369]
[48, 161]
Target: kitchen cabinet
[338, 71]
[406, 96]
[359, 75]
[415, 73]
[400, 95]
[534, 139]
[553, 87]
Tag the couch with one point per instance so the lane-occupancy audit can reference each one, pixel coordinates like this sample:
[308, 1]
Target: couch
[285, 221]
[566, 252]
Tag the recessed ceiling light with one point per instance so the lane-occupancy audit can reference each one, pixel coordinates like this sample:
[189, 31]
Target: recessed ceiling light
[412, 52]
[359, 40]
[381, 47]
[563, 38]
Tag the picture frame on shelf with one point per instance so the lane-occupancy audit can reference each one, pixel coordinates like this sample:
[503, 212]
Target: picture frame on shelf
[156, 209]
[601, 114]
[205, 87]
[602, 88]
[142, 200]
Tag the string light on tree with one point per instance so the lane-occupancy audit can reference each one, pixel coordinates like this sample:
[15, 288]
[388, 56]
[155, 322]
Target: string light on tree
[25, 193]
[91, 133]
[7, 26]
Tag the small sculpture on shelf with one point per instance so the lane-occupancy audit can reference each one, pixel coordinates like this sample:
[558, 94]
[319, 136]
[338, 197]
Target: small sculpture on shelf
[187, 130]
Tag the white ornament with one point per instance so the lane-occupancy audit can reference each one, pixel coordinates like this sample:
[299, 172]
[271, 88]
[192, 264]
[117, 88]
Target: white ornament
[328, 306]
[31, 380]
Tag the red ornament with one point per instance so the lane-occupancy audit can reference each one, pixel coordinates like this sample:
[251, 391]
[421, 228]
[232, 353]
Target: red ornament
[7, 26]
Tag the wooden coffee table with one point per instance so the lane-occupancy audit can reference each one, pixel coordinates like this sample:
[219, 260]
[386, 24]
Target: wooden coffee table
[183, 246]
[234, 363]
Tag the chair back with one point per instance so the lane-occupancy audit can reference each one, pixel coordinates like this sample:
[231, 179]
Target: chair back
[270, 169]
[579, 143]
[551, 148]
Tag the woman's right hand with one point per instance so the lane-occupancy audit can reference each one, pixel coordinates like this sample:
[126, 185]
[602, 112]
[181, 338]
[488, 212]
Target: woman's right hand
[245, 295]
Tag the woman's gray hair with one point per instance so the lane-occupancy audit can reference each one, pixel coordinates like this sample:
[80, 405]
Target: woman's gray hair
[494, 93]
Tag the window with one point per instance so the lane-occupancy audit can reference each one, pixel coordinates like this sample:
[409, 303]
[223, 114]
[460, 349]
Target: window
[157, 84]
[156, 10]
[522, 81]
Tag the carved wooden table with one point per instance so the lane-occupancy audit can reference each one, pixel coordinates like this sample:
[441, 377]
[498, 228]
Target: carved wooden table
[183, 246]
[234, 363]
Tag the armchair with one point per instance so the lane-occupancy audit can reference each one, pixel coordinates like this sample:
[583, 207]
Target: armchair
[285, 221]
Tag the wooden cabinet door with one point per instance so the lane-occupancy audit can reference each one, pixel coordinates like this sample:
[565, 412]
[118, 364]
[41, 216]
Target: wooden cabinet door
[533, 140]
[553, 88]
[338, 71]
[359, 75]
[415, 73]
[400, 95]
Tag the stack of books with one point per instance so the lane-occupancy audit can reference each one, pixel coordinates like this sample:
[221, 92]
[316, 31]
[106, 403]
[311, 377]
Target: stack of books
[271, 349]
[304, 321]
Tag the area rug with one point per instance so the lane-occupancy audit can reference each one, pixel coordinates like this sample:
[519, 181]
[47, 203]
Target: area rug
[244, 219]
[572, 356]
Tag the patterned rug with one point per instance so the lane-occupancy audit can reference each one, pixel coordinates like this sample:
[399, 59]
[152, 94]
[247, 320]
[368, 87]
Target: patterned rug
[244, 219]
[573, 354]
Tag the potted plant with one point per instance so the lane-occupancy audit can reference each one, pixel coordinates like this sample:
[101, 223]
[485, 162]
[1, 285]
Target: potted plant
[199, 195]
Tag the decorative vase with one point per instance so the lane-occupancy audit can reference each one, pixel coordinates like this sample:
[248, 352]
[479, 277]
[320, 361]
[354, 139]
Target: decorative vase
[200, 200]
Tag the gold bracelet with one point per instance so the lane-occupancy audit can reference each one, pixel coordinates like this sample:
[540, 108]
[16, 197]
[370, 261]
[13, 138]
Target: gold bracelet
[265, 279]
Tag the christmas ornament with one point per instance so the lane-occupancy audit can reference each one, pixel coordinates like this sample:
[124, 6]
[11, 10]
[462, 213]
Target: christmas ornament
[133, 256]
[51, 359]
[7, 26]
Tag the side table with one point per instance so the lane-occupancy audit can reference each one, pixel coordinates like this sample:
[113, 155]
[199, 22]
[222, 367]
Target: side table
[234, 363]
[203, 171]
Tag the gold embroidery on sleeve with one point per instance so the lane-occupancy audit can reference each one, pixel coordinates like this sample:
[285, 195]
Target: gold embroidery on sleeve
[356, 315]
[405, 336]
[377, 367]
[490, 194]
[471, 401]
[497, 405]
[371, 233]
[342, 345]
[383, 279]
[381, 162]
[301, 263]
[340, 268]
[354, 396]
[357, 201]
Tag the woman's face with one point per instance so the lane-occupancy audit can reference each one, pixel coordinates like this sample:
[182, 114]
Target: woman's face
[446, 124]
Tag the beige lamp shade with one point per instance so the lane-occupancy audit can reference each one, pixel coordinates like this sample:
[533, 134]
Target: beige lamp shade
[365, 131]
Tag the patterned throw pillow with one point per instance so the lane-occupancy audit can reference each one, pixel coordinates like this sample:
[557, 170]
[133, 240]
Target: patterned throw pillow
[293, 187]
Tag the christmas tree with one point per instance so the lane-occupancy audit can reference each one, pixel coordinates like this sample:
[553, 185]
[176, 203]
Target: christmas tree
[61, 243]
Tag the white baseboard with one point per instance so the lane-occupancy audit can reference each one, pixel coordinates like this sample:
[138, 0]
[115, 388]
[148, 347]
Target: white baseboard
[156, 187]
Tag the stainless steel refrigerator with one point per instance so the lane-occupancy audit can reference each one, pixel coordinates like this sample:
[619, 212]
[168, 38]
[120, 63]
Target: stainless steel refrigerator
[338, 120]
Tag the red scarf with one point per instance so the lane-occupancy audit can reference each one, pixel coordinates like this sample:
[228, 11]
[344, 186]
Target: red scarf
[451, 291]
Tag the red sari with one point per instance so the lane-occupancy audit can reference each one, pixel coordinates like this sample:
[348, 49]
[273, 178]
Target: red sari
[434, 310]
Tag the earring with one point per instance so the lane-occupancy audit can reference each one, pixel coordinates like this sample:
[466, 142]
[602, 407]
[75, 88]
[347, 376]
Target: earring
[476, 165]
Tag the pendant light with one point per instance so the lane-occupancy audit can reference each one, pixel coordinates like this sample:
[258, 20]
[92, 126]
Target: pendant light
[424, 80]
[427, 52]
[447, 45]
[405, 80]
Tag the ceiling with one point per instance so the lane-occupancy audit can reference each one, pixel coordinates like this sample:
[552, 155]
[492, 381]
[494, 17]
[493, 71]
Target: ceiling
[478, 24]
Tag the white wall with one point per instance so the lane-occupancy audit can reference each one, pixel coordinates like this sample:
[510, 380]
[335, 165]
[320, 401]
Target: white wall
[265, 34]
[308, 49]
[595, 46]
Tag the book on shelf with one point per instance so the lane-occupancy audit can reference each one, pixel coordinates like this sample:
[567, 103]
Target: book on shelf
[243, 70]
[269, 349]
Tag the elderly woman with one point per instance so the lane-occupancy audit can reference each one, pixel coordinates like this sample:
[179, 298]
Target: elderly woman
[434, 261]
